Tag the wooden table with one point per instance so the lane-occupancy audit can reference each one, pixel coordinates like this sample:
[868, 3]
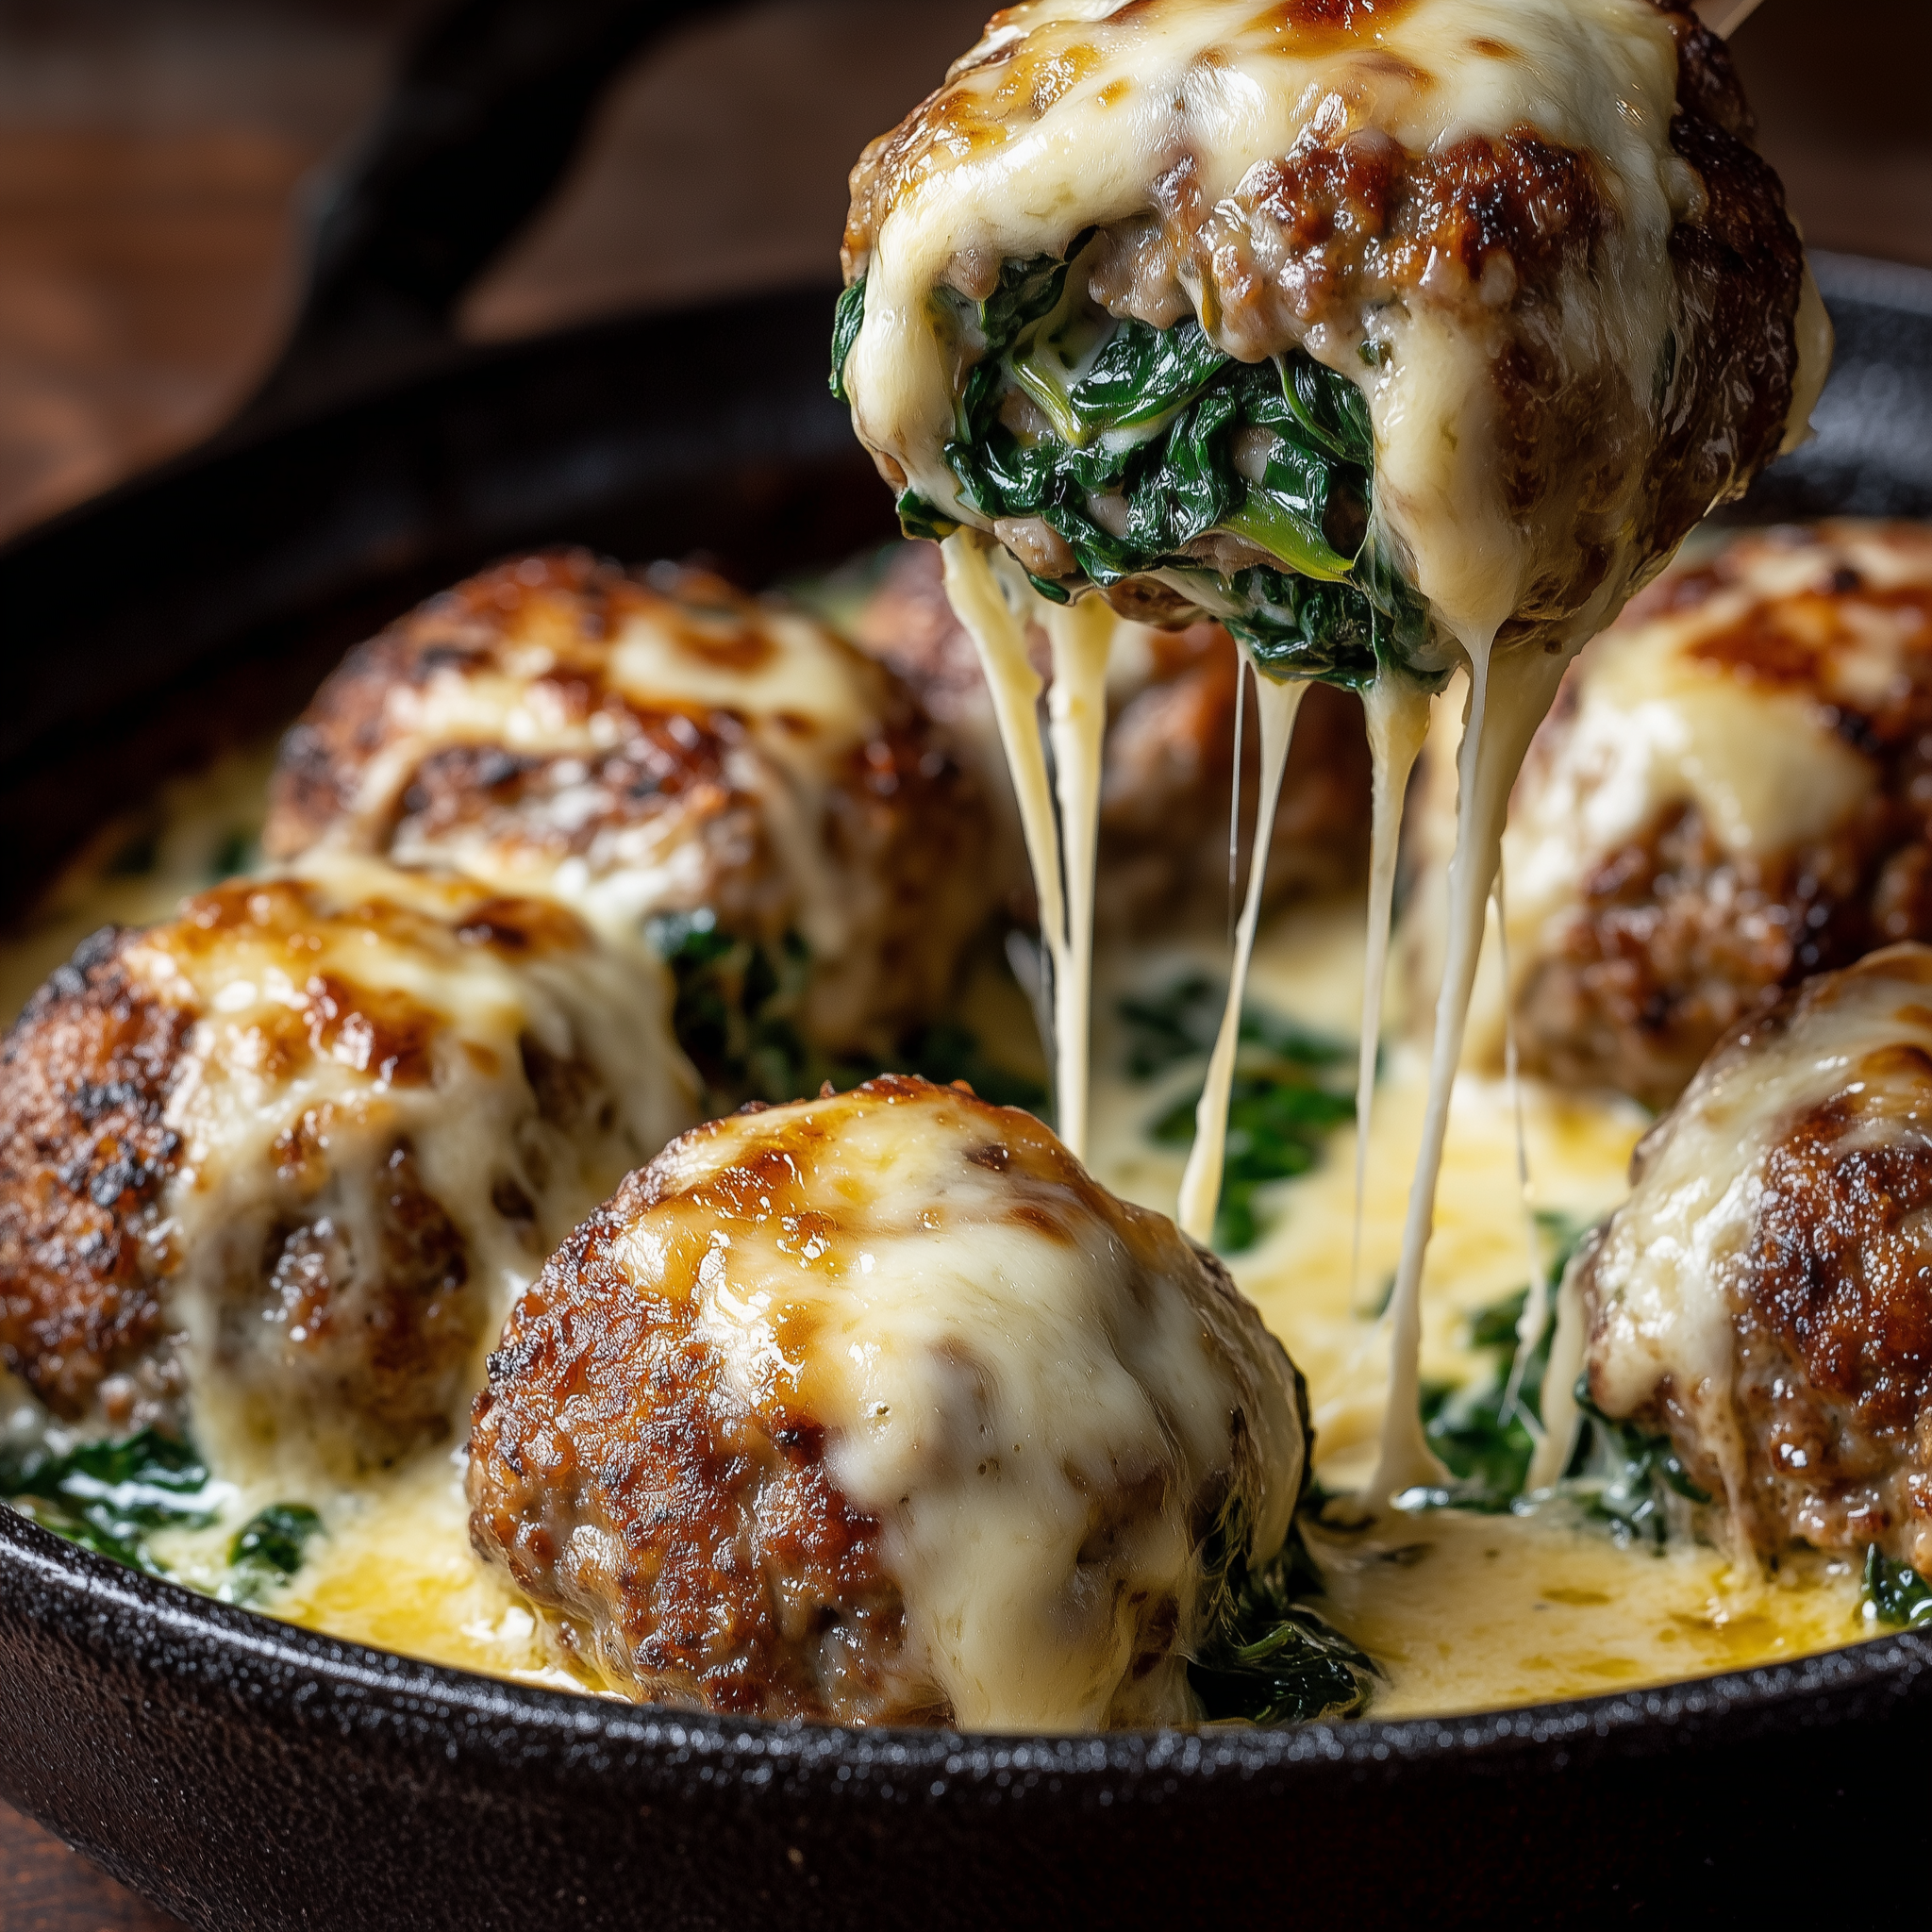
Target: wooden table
[148, 259]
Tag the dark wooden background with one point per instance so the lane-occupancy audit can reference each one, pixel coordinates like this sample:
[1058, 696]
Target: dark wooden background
[153, 157]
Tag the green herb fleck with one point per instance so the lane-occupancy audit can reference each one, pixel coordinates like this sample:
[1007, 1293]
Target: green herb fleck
[269, 1549]
[108, 1495]
[1894, 1595]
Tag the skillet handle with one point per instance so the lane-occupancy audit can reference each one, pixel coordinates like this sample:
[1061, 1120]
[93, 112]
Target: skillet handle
[485, 116]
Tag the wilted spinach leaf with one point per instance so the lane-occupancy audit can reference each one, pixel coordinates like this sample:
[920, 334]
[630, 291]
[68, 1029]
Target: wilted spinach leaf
[108, 1495]
[1894, 1593]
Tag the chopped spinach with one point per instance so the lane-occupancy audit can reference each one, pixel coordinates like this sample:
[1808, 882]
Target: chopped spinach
[1279, 1111]
[109, 1495]
[1136, 461]
[1625, 1475]
[1486, 1440]
[1269, 1657]
[269, 1548]
[1896, 1594]
[1167, 1028]
[1276, 1125]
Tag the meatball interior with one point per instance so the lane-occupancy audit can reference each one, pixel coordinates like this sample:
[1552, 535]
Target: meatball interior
[272, 1166]
[1735, 792]
[653, 745]
[1765, 1296]
[878, 1408]
[1169, 760]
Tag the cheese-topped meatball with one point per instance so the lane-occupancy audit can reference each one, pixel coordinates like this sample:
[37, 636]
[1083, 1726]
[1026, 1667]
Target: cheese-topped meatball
[1379, 331]
[282, 1160]
[1169, 760]
[658, 748]
[1765, 1296]
[877, 1409]
[1735, 792]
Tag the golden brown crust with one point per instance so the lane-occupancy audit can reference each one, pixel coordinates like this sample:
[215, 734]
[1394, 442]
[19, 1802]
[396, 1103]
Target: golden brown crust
[1677, 938]
[84, 1151]
[1831, 1304]
[900, 841]
[615, 1475]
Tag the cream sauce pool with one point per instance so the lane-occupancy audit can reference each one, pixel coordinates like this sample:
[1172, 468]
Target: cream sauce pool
[1464, 1611]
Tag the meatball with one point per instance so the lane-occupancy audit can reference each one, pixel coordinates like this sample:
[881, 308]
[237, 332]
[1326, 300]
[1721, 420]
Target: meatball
[658, 748]
[1734, 790]
[1764, 1298]
[280, 1160]
[1169, 760]
[877, 1408]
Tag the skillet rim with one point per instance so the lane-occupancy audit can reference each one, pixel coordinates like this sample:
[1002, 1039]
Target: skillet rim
[274, 1666]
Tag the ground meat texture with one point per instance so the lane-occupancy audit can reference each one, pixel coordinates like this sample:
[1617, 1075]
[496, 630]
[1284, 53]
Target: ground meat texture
[84, 1078]
[877, 1408]
[1678, 929]
[704, 1546]
[1779, 1328]
[1168, 769]
[655, 743]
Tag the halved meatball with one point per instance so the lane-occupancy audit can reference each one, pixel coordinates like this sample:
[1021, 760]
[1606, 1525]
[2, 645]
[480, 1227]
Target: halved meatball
[1165, 790]
[1734, 790]
[1765, 1296]
[877, 1409]
[658, 749]
[282, 1160]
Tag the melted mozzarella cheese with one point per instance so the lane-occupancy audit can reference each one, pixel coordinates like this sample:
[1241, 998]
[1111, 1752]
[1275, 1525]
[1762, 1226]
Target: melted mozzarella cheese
[1067, 115]
[993, 1358]
[343, 1009]
[1662, 1272]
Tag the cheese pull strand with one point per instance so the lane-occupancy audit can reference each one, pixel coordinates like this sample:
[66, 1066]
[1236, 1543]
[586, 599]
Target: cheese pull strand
[1505, 704]
[1275, 706]
[1398, 713]
[992, 599]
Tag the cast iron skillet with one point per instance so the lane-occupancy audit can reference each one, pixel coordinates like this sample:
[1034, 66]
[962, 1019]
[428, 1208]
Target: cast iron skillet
[246, 1774]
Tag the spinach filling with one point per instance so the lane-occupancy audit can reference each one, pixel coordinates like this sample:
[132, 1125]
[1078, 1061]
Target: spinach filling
[1283, 1106]
[1122, 440]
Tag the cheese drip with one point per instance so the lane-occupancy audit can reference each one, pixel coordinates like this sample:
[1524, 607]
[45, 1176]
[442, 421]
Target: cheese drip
[992, 599]
[1398, 713]
[1502, 716]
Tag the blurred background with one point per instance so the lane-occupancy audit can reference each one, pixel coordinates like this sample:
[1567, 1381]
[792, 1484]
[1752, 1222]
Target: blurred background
[157, 158]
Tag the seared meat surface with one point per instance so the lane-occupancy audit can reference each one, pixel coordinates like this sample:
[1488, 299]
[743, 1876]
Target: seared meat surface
[877, 1408]
[275, 1157]
[657, 749]
[1733, 792]
[1765, 1297]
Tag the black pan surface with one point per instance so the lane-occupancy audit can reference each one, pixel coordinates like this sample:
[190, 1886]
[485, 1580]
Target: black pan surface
[246, 1774]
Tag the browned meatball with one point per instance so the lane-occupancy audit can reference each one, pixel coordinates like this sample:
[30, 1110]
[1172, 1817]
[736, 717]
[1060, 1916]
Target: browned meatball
[277, 1157]
[1733, 791]
[655, 748]
[1169, 760]
[1765, 1296]
[878, 1408]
